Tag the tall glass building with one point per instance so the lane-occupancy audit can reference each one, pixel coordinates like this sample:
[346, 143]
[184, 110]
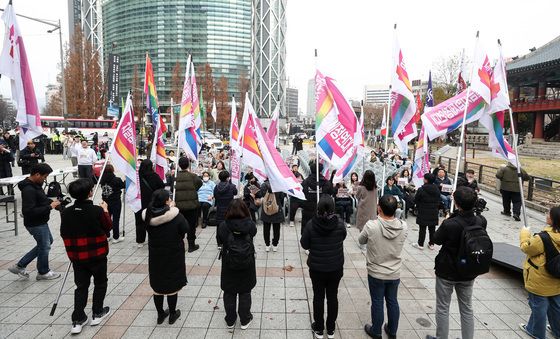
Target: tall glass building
[217, 32]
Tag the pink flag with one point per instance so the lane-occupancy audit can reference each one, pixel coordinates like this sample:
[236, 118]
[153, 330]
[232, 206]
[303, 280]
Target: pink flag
[273, 128]
[251, 154]
[14, 65]
[235, 164]
[421, 164]
[279, 175]
[481, 80]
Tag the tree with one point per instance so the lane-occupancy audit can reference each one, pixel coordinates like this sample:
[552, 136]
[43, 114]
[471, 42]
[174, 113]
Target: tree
[74, 75]
[207, 84]
[7, 113]
[176, 83]
[243, 85]
[373, 116]
[94, 98]
[446, 74]
[222, 100]
[136, 90]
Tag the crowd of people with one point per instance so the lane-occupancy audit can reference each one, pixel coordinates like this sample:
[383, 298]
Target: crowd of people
[204, 197]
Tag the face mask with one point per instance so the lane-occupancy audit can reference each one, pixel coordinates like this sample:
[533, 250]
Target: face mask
[205, 178]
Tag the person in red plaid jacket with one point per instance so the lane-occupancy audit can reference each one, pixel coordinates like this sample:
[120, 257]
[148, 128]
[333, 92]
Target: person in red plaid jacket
[84, 228]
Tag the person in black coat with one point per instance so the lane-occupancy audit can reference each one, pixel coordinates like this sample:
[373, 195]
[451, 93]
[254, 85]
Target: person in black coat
[111, 189]
[324, 237]
[224, 192]
[252, 195]
[166, 253]
[6, 158]
[309, 186]
[427, 202]
[29, 156]
[273, 220]
[149, 183]
[234, 280]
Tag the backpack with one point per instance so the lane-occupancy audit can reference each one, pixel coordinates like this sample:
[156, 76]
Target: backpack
[54, 190]
[552, 255]
[475, 251]
[270, 206]
[238, 253]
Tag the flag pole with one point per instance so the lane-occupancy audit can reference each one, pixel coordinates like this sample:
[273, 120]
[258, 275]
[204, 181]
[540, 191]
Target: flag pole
[461, 139]
[364, 133]
[316, 145]
[178, 152]
[515, 148]
[387, 129]
[124, 214]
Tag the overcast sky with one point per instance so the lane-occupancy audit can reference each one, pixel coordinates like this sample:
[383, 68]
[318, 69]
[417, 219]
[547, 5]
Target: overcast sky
[354, 37]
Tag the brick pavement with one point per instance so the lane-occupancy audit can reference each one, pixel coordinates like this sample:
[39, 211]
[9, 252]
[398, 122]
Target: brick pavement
[282, 299]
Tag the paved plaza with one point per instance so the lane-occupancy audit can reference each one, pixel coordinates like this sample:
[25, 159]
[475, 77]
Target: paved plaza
[282, 299]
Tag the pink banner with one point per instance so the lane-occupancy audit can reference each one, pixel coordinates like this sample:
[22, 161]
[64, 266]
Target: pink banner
[235, 168]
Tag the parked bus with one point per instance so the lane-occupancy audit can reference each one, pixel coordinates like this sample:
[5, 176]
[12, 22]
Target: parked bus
[86, 126]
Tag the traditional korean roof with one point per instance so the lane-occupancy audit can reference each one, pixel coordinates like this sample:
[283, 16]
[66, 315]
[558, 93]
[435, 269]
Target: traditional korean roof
[544, 56]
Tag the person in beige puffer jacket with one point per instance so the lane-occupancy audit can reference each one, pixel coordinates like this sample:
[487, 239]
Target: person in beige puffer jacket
[543, 288]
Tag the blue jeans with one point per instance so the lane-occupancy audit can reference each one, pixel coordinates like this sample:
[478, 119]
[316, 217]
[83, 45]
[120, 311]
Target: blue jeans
[44, 239]
[446, 200]
[388, 289]
[541, 308]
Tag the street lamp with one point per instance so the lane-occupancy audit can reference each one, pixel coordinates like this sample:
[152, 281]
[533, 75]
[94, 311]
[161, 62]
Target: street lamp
[58, 27]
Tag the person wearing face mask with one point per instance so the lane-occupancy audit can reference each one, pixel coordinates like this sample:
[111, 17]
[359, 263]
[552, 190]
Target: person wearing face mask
[206, 196]
[252, 195]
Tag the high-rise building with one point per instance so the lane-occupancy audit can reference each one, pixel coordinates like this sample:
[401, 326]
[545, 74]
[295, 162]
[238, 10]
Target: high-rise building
[292, 102]
[419, 86]
[87, 15]
[311, 97]
[376, 94]
[217, 32]
[268, 56]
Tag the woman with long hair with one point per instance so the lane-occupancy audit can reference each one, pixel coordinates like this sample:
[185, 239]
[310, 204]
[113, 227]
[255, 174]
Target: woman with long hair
[239, 275]
[166, 253]
[111, 189]
[149, 183]
[543, 287]
[366, 194]
[323, 237]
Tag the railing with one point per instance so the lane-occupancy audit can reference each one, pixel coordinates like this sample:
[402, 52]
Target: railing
[541, 193]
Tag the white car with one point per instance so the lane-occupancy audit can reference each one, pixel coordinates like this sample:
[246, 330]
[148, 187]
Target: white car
[211, 139]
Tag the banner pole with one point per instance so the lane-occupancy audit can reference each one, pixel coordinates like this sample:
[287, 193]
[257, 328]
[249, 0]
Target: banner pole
[383, 158]
[124, 213]
[515, 149]
[461, 139]
[316, 130]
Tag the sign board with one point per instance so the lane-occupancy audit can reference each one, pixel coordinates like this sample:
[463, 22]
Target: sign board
[113, 111]
[343, 193]
[447, 188]
[402, 182]
[114, 78]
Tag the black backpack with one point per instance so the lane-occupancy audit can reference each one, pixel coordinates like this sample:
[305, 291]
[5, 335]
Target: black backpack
[54, 190]
[238, 252]
[552, 263]
[475, 251]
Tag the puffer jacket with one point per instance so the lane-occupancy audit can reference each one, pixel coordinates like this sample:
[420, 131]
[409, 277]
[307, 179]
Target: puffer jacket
[537, 280]
[324, 238]
[186, 187]
[508, 177]
[224, 193]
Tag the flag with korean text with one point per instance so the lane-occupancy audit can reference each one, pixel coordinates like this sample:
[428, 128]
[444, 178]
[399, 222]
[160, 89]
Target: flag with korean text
[124, 155]
[250, 152]
[15, 66]
[403, 104]
[157, 155]
[335, 122]
[280, 177]
[235, 151]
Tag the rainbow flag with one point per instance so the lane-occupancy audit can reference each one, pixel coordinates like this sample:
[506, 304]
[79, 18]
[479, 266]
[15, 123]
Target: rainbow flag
[347, 168]
[196, 112]
[235, 160]
[336, 122]
[157, 156]
[186, 134]
[421, 163]
[124, 157]
[403, 103]
[251, 154]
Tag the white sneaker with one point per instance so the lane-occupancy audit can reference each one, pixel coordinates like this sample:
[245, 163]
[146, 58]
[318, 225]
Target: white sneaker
[19, 271]
[415, 245]
[244, 327]
[140, 245]
[307, 252]
[48, 276]
[116, 241]
[96, 319]
[292, 224]
[267, 249]
[274, 248]
[78, 325]
[348, 225]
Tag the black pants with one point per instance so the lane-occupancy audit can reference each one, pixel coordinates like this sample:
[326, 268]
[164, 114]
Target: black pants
[306, 215]
[82, 276]
[511, 197]
[294, 150]
[85, 171]
[275, 230]
[295, 203]
[205, 208]
[244, 308]
[422, 234]
[192, 219]
[325, 283]
[344, 209]
[114, 208]
[140, 227]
